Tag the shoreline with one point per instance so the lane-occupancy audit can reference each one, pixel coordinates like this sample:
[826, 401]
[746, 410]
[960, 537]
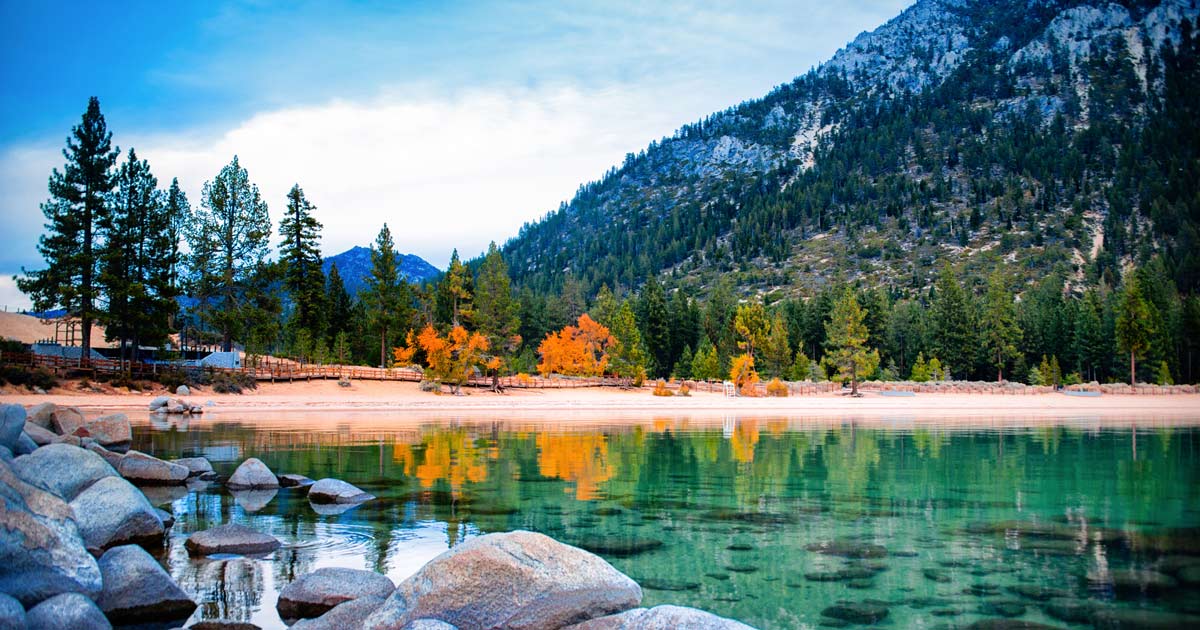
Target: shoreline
[373, 398]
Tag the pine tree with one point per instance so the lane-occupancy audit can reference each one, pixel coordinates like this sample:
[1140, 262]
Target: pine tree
[1134, 328]
[1090, 346]
[137, 260]
[628, 354]
[683, 367]
[752, 327]
[455, 293]
[954, 331]
[78, 202]
[229, 237]
[801, 367]
[847, 337]
[180, 212]
[654, 319]
[496, 310]
[340, 305]
[706, 365]
[386, 298]
[606, 306]
[776, 353]
[300, 253]
[999, 325]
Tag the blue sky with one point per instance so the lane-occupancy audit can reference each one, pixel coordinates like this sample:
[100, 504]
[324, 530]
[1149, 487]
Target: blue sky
[453, 122]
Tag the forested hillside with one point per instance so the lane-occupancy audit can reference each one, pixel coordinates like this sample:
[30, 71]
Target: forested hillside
[1047, 136]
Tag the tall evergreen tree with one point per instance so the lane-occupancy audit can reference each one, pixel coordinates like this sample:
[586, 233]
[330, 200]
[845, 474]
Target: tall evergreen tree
[999, 325]
[847, 337]
[1090, 348]
[229, 237]
[78, 202]
[300, 254]
[339, 304]
[627, 357]
[1134, 324]
[776, 352]
[137, 260]
[954, 332]
[455, 295]
[180, 212]
[494, 305]
[386, 298]
[654, 319]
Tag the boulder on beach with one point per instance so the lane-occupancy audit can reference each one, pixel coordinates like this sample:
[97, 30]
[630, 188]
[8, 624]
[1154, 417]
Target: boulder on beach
[160, 403]
[351, 614]
[12, 424]
[69, 610]
[40, 414]
[40, 547]
[252, 473]
[336, 491]
[12, 613]
[661, 618]
[183, 390]
[314, 594]
[196, 466]
[230, 539]
[141, 468]
[62, 469]
[65, 420]
[138, 590]
[112, 512]
[517, 579]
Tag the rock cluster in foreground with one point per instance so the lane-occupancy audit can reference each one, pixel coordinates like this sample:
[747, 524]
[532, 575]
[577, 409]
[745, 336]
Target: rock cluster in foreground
[75, 512]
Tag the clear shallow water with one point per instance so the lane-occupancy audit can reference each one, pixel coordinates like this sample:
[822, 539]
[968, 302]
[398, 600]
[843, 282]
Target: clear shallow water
[957, 524]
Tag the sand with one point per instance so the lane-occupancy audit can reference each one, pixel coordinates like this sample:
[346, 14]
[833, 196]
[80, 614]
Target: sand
[372, 396]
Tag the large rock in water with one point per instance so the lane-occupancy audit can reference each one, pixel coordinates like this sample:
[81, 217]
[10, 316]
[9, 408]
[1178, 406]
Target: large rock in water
[252, 474]
[336, 491]
[230, 539]
[137, 589]
[314, 594]
[62, 469]
[352, 614]
[12, 423]
[520, 580]
[661, 618]
[41, 552]
[112, 512]
[69, 610]
[196, 465]
[142, 468]
[111, 430]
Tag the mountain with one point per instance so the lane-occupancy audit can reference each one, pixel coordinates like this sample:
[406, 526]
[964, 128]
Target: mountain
[1044, 136]
[354, 265]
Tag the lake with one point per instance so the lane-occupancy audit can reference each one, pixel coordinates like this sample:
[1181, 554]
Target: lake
[771, 521]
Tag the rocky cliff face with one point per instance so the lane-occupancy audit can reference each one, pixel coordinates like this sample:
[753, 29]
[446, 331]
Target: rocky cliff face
[766, 188]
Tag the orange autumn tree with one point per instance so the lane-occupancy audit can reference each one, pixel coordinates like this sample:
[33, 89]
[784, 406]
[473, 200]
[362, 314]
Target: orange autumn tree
[580, 350]
[451, 359]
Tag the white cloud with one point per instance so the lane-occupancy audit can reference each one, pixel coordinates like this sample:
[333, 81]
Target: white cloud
[442, 171]
[11, 298]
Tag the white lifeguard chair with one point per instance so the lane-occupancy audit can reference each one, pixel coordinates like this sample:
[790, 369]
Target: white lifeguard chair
[730, 389]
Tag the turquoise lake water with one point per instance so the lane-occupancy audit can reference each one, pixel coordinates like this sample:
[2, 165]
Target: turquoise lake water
[779, 523]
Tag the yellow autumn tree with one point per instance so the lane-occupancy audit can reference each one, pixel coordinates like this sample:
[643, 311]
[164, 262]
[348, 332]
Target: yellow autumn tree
[451, 359]
[743, 375]
[580, 350]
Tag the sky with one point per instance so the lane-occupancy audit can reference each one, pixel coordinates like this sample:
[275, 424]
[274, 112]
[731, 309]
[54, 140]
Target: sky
[453, 122]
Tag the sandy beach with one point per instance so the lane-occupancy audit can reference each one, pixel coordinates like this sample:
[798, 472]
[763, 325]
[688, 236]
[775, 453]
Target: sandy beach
[371, 396]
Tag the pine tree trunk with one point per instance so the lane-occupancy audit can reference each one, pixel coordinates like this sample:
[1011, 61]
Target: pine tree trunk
[1132, 369]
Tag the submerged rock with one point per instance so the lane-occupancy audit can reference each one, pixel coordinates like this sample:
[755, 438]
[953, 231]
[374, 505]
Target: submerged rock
[1070, 609]
[40, 548]
[847, 548]
[619, 546]
[137, 589]
[1002, 608]
[62, 469]
[1009, 624]
[68, 610]
[517, 579]
[314, 594]
[1132, 582]
[661, 618]
[112, 512]
[230, 539]
[1038, 592]
[336, 491]
[252, 473]
[864, 612]
[141, 468]
[1142, 619]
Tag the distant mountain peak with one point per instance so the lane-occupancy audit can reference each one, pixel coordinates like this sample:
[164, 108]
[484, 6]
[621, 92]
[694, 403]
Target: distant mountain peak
[354, 266]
